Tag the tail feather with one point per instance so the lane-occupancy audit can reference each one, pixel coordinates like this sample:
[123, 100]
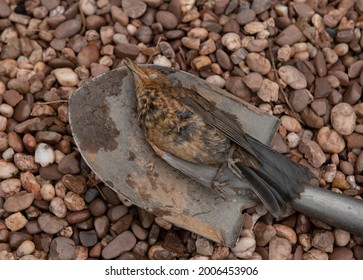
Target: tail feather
[278, 180]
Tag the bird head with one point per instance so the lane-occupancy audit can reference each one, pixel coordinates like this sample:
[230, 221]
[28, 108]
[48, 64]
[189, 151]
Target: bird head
[146, 77]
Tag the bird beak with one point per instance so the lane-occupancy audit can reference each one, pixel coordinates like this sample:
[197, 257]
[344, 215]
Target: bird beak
[135, 69]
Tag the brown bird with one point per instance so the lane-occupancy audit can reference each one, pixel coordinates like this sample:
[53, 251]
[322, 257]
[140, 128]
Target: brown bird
[179, 121]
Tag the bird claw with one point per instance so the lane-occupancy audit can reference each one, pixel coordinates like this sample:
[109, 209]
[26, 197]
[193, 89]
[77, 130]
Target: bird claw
[218, 187]
[234, 169]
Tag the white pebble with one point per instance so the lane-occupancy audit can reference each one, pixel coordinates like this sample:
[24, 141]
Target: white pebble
[351, 181]
[282, 10]
[47, 192]
[162, 61]
[7, 169]
[44, 154]
[88, 7]
[58, 156]
[231, 41]
[216, 80]
[3, 123]
[343, 118]
[8, 154]
[186, 5]
[292, 140]
[58, 207]
[269, 91]
[254, 27]
[6, 110]
[25, 248]
[15, 221]
[131, 29]
[244, 247]
[66, 77]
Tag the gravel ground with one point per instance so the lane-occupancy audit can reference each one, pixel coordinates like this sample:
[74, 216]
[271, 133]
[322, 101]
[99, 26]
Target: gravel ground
[298, 60]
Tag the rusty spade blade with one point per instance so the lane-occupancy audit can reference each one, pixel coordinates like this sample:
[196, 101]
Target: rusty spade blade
[104, 125]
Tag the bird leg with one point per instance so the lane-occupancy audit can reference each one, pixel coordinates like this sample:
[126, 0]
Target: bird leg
[218, 184]
[234, 168]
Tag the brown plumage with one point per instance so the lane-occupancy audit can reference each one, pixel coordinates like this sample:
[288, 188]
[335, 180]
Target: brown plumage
[180, 122]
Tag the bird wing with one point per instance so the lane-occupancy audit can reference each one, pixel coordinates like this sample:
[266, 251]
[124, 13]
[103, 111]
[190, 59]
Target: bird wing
[222, 121]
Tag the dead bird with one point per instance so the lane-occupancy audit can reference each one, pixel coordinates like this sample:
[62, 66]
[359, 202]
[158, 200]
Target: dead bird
[179, 121]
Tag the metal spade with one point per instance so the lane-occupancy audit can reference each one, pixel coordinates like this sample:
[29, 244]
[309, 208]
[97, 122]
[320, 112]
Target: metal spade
[105, 128]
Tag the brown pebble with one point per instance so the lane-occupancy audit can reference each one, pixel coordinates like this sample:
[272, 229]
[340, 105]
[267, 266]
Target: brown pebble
[62, 248]
[224, 60]
[245, 16]
[134, 8]
[322, 87]
[121, 225]
[30, 184]
[302, 224]
[78, 216]
[32, 227]
[122, 243]
[139, 231]
[50, 172]
[263, 233]
[67, 29]
[101, 225]
[289, 36]
[145, 217]
[258, 63]
[323, 241]
[299, 99]
[75, 183]
[330, 141]
[94, 22]
[346, 167]
[354, 140]
[320, 106]
[167, 19]
[15, 142]
[335, 97]
[42, 241]
[95, 251]
[74, 201]
[315, 254]
[141, 248]
[236, 86]
[123, 50]
[88, 55]
[98, 207]
[311, 119]
[312, 152]
[18, 202]
[26, 162]
[158, 252]
[353, 94]
[16, 238]
[358, 252]
[88, 238]
[341, 253]
[69, 164]
[320, 64]
[12, 97]
[21, 111]
[50, 223]
[279, 248]
[144, 34]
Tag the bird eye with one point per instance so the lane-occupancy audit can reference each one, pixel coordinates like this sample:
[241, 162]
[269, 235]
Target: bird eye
[153, 76]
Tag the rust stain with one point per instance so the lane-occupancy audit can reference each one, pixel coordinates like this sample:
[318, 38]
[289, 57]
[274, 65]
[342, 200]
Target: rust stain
[159, 191]
[90, 118]
[131, 157]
